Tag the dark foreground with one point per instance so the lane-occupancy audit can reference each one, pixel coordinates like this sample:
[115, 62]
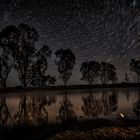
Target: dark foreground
[111, 133]
[85, 130]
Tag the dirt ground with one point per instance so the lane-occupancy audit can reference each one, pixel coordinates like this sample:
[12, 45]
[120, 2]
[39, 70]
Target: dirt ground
[111, 133]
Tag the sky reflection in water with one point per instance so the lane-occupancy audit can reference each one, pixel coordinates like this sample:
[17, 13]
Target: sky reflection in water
[59, 106]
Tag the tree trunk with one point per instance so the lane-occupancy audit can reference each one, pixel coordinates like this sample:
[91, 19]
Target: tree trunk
[138, 78]
[24, 81]
[65, 83]
[25, 84]
[3, 83]
[25, 73]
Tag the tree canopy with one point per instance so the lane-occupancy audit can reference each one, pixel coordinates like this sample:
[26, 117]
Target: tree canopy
[90, 71]
[65, 63]
[108, 73]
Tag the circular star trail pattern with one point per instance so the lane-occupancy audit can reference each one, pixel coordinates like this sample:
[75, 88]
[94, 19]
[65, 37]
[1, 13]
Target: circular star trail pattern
[93, 30]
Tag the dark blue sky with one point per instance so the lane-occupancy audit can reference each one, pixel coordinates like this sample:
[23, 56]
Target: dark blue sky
[92, 30]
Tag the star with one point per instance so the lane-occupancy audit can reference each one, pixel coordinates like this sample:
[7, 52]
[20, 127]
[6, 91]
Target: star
[92, 32]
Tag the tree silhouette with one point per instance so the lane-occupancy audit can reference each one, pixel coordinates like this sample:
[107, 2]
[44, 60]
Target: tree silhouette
[90, 71]
[6, 61]
[38, 70]
[108, 73]
[126, 78]
[30, 63]
[6, 64]
[21, 42]
[65, 64]
[51, 80]
[135, 67]
[25, 51]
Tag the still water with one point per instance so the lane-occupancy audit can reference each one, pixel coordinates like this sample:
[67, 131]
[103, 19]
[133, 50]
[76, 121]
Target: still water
[58, 106]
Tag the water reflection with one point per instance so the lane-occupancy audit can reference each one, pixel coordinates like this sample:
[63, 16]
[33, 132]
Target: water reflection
[66, 110]
[44, 107]
[31, 110]
[109, 102]
[91, 105]
[136, 107]
[5, 116]
[94, 105]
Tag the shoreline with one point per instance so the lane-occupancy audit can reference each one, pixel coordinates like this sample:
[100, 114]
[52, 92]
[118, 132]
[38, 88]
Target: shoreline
[71, 87]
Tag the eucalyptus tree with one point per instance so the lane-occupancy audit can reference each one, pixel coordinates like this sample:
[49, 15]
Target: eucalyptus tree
[6, 62]
[126, 78]
[51, 80]
[108, 73]
[90, 71]
[24, 52]
[135, 68]
[6, 65]
[20, 41]
[30, 63]
[39, 68]
[65, 64]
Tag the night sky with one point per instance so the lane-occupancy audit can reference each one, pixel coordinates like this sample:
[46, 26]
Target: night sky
[93, 31]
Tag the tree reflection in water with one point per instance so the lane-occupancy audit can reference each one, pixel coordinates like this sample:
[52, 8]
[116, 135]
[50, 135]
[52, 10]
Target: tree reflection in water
[109, 102]
[30, 110]
[91, 106]
[66, 111]
[5, 116]
[127, 92]
[22, 114]
[136, 107]
[113, 102]
[94, 106]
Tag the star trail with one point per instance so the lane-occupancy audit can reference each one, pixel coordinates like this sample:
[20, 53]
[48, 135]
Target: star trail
[93, 30]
